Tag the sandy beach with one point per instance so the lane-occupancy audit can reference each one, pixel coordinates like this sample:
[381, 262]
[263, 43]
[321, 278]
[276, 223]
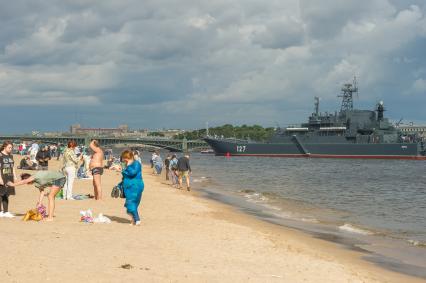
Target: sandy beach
[183, 238]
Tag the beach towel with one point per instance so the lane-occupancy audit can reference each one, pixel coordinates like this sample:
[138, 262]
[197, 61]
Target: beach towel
[80, 197]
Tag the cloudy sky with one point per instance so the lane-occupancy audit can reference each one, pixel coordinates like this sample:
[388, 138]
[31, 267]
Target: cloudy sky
[182, 63]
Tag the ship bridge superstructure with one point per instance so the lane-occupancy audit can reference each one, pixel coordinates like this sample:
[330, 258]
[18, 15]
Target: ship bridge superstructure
[354, 125]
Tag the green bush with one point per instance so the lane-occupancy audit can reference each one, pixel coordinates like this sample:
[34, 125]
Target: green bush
[255, 132]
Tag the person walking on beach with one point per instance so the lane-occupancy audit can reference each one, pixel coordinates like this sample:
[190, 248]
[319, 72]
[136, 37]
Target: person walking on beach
[7, 175]
[50, 182]
[158, 163]
[133, 185]
[184, 169]
[70, 169]
[97, 168]
[151, 161]
[43, 157]
[173, 171]
[137, 156]
[166, 165]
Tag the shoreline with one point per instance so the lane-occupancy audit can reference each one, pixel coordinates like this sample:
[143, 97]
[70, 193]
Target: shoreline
[318, 231]
[354, 241]
[337, 248]
[184, 237]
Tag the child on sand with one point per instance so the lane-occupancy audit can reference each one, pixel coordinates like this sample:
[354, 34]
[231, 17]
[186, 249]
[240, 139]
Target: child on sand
[50, 182]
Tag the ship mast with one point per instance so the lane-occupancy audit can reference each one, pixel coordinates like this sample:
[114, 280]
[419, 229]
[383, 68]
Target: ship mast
[347, 95]
[316, 106]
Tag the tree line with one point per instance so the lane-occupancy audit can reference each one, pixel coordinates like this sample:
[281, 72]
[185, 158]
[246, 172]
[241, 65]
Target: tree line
[255, 132]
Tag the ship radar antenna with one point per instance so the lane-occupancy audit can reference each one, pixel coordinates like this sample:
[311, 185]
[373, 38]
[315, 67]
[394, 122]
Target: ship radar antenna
[347, 96]
[317, 101]
[355, 83]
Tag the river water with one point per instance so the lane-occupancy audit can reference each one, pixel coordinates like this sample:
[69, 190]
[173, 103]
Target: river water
[377, 206]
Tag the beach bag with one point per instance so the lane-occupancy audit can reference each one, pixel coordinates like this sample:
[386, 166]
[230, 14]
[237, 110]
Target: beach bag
[118, 191]
[115, 193]
[33, 214]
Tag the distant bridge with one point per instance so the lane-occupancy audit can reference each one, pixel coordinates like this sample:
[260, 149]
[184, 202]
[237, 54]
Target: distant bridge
[169, 144]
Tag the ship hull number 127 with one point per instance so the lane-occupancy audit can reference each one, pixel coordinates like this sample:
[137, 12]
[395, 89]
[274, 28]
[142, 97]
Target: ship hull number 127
[241, 148]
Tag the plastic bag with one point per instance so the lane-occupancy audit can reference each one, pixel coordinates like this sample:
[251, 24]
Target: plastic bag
[86, 216]
[102, 219]
[42, 210]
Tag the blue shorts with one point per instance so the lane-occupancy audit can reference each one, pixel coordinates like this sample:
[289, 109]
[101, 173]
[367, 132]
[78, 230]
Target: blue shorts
[158, 169]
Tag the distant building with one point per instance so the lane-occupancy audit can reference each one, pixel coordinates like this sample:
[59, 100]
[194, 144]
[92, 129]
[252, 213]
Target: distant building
[171, 133]
[141, 133]
[52, 134]
[413, 129]
[78, 130]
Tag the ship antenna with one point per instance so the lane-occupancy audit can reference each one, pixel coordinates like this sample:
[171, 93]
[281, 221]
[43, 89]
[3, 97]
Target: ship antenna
[347, 96]
[317, 99]
[355, 83]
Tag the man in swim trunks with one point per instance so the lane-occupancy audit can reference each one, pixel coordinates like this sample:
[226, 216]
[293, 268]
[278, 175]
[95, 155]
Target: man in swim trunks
[97, 167]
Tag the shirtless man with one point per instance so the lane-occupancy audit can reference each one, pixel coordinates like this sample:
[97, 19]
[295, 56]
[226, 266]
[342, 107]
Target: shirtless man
[97, 168]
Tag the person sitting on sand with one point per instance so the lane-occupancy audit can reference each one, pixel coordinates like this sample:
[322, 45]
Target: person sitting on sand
[133, 185]
[50, 182]
[43, 157]
[26, 164]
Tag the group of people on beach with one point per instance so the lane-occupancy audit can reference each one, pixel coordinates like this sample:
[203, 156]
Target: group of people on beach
[176, 169]
[51, 182]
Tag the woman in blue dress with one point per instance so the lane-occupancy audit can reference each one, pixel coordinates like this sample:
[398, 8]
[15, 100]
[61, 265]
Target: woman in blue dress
[132, 185]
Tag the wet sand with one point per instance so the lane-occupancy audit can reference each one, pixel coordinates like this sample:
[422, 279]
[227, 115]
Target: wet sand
[183, 238]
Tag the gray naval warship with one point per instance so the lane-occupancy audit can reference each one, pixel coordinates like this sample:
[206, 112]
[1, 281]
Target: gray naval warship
[349, 133]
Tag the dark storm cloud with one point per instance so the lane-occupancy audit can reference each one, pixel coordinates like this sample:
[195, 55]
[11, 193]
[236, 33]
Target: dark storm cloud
[197, 61]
